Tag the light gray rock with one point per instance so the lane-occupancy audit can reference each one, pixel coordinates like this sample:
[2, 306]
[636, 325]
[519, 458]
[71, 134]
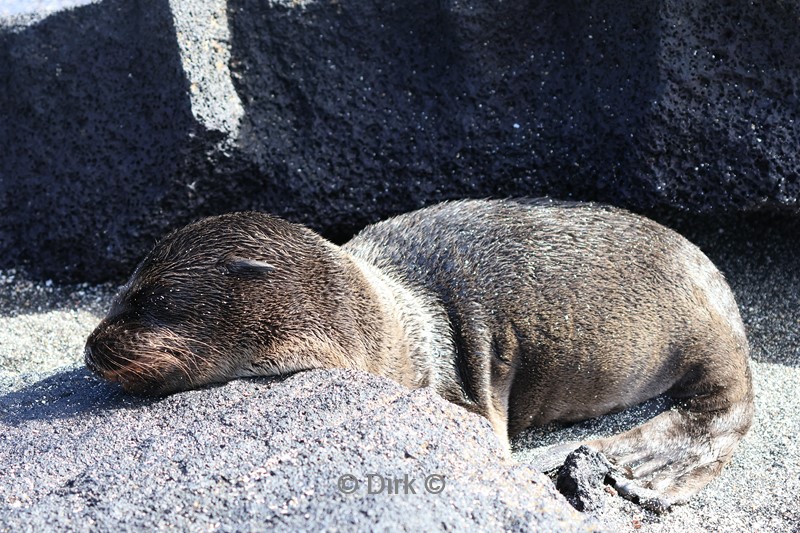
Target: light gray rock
[79, 455]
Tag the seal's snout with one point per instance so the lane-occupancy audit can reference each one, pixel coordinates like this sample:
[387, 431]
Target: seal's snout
[88, 359]
[104, 364]
[94, 360]
[99, 357]
[141, 358]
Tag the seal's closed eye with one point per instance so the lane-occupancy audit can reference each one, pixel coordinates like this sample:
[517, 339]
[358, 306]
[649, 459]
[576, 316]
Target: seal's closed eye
[246, 267]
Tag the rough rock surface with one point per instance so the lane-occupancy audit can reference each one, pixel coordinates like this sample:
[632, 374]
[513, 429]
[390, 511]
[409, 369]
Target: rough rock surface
[582, 477]
[121, 119]
[79, 455]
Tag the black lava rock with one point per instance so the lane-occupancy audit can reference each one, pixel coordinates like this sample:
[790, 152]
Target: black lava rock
[581, 479]
[119, 121]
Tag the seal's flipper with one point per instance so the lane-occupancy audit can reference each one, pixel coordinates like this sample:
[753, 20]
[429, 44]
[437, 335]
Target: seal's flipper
[553, 457]
[647, 498]
[668, 459]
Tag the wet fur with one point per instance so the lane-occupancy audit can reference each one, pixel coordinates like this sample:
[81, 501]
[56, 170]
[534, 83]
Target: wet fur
[525, 312]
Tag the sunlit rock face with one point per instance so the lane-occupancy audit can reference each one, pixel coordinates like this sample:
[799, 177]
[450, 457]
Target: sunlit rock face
[119, 122]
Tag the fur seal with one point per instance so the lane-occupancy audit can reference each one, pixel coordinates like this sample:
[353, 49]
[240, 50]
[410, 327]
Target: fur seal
[523, 311]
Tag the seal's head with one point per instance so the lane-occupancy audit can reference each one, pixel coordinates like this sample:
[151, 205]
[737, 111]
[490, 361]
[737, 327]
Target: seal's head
[217, 300]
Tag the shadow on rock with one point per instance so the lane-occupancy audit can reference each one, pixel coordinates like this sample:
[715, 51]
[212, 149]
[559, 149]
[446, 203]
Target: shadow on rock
[76, 392]
[65, 395]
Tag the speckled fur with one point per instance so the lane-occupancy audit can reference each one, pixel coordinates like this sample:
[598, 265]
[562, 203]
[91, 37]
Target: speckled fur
[525, 312]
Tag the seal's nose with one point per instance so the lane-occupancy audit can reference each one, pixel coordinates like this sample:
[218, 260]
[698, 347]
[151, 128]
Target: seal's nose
[89, 360]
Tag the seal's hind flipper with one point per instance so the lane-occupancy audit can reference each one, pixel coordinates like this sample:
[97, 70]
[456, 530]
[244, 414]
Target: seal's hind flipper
[553, 457]
[631, 490]
[671, 457]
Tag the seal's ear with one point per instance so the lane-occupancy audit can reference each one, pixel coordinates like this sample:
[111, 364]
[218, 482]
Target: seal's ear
[246, 267]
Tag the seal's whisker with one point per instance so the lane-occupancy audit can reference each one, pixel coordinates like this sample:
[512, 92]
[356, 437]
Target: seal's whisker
[172, 343]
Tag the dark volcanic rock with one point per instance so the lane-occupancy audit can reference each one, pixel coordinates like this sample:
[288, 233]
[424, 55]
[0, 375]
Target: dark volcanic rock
[78, 455]
[581, 479]
[119, 120]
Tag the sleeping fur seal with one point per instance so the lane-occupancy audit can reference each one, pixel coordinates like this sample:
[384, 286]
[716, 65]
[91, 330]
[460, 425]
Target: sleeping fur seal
[523, 311]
